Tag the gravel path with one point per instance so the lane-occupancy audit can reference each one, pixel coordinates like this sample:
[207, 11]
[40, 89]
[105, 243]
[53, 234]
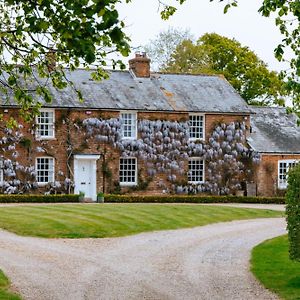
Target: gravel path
[209, 262]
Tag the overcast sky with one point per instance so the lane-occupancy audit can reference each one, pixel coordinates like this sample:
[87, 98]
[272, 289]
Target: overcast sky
[244, 24]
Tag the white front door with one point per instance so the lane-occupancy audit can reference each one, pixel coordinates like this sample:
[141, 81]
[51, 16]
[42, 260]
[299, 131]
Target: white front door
[85, 175]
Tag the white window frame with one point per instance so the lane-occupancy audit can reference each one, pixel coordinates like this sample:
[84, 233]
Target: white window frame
[203, 127]
[45, 137]
[126, 183]
[203, 170]
[282, 183]
[1, 171]
[51, 177]
[133, 126]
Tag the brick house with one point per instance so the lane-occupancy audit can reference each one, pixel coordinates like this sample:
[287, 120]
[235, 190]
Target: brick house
[275, 135]
[146, 132]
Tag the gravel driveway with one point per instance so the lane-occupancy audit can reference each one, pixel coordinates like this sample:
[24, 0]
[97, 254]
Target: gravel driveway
[209, 262]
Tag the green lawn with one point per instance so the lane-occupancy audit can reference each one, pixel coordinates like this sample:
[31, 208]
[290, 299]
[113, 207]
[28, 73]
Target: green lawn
[272, 266]
[111, 220]
[5, 294]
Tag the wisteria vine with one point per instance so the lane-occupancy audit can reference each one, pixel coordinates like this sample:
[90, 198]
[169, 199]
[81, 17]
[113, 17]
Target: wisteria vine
[19, 178]
[164, 146]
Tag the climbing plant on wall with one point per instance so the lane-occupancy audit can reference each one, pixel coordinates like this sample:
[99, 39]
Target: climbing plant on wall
[20, 177]
[164, 146]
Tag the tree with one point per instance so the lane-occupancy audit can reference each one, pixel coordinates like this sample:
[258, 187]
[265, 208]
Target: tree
[161, 48]
[293, 212]
[83, 32]
[215, 54]
[34, 34]
[288, 22]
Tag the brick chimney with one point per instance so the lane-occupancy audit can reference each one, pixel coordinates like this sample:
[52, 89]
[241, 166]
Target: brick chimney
[140, 65]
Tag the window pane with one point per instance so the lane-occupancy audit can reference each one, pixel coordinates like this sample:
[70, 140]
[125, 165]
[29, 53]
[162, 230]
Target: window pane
[196, 170]
[283, 170]
[127, 172]
[128, 125]
[45, 169]
[45, 124]
[196, 127]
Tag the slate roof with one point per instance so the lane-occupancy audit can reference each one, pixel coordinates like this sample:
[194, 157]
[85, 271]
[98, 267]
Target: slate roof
[274, 131]
[160, 92]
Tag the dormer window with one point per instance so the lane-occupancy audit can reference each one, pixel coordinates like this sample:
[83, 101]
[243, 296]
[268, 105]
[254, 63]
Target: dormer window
[196, 127]
[45, 124]
[129, 125]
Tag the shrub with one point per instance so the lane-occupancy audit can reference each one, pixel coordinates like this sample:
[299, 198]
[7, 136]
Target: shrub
[18, 198]
[191, 199]
[293, 212]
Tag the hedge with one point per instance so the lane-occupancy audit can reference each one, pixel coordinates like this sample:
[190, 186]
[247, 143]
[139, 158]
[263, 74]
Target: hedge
[192, 199]
[24, 198]
[293, 212]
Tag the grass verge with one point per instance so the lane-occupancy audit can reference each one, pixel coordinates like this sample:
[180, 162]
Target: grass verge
[111, 220]
[5, 293]
[271, 265]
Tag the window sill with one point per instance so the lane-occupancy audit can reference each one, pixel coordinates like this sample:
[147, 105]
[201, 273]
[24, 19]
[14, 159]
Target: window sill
[197, 140]
[196, 182]
[124, 184]
[43, 184]
[45, 138]
[282, 187]
[129, 138]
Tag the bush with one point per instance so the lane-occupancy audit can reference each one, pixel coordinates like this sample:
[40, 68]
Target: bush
[293, 212]
[18, 198]
[191, 199]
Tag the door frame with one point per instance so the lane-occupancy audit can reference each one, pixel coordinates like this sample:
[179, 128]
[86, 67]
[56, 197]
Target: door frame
[93, 159]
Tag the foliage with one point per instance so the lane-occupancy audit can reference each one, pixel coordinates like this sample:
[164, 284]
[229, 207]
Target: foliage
[228, 158]
[36, 34]
[20, 177]
[192, 199]
[5, 293]
[272, 266]
[38, 198]
[288, 22]
[164, 146]
[109, 220]
[160, 49]
[84, 32]
[215, 54]
[293, 211]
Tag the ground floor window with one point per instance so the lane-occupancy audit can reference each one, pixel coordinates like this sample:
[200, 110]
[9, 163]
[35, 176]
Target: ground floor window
[44, 170]
[1, 171]
[128, 171]
[196, 170]
[283, 169]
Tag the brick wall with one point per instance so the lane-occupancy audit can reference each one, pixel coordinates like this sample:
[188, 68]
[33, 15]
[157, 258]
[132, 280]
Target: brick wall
[267, 174]
[67, 133]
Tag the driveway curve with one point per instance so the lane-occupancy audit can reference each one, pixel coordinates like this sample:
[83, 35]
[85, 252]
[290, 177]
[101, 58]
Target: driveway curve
[209, 262]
